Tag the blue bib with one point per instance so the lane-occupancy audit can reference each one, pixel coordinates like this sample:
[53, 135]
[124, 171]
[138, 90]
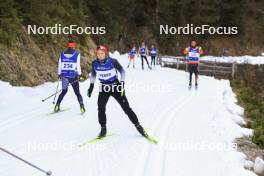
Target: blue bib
[143, 51]
[133, 52]
[194, 54]
[106, 72]
[69, 65]
[153, 51]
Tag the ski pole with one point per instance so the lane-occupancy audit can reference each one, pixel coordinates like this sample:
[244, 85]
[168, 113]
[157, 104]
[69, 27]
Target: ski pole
[28, 163]
[57, 91]
[186, 68]
[56, 94]
[51, 95]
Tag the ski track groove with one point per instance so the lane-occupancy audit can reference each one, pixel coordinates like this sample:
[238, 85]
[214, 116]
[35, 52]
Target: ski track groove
[171, 110]
[38, 112]
[10, 119]
[160, 151]
[163, 153]
[19, 119]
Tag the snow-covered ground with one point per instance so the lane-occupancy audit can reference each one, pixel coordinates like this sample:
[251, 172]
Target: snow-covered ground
[195, 129]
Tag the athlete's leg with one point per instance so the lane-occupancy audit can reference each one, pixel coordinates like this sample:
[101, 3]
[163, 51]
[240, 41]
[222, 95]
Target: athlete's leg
[190, 72]
[102, 101]
[145, 57]
[142, 62]
[122, 100]
[65, 84]
[153, 58]
[196, 72]
[76, 89]
[129, 63]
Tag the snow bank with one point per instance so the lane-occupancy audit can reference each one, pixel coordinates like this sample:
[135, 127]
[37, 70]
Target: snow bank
[255, 60]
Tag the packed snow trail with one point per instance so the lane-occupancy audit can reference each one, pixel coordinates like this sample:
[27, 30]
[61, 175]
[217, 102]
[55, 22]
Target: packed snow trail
[195, 129]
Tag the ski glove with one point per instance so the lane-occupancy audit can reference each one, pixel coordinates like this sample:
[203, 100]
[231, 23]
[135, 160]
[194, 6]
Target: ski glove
[81, 78]
[90, 90]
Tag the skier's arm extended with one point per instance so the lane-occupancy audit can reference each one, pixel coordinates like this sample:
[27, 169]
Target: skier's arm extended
[79, 70]
[92, 80]
[201, 51]
[93, 74]
[117, 66]
[186, 52]
[59, 66]
[147, 51]
[138, 52]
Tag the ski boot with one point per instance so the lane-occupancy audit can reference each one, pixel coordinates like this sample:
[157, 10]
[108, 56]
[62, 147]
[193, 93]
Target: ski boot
[190, 85]
[196, 82]
[57, 108]
[102, 132]
[141, 130]
[196, 86]
[82, 108]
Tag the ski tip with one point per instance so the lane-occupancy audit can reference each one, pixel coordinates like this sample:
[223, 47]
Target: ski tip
[49, 173]
[51, 113]
[154, 141]
[93, 141]
[151, 139]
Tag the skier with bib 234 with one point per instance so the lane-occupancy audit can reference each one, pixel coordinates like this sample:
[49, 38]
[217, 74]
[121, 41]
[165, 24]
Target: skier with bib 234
[106, 69]
[69, 71]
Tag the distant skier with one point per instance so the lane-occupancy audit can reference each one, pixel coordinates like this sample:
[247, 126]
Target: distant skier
[132, 55]
[106, 69]
[143, 52]
[69, 71]
[193, 55]
[153, 53]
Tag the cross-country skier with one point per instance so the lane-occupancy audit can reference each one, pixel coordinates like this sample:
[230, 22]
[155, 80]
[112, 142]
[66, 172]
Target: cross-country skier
[106, 69]
[132, 55]
[143, 52]
[193, 53]
[153, 53]
[69, 71]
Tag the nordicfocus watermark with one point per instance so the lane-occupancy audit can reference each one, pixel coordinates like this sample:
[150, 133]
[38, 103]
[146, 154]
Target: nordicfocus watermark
[64, 146]
[202, 145]
[135, 87]
[187, 145]
[191, 29]
[59, 29]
